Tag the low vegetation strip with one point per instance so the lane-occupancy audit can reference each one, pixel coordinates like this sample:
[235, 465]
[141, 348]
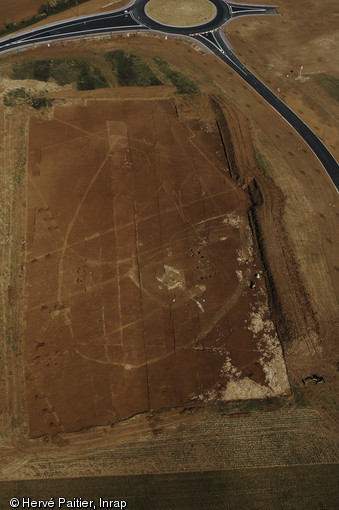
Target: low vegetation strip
[62, 71]
[328, 83]
[116, 67]
[19, 97]
[48, 8]
[131, 70]
[183, 84]
[54, 6]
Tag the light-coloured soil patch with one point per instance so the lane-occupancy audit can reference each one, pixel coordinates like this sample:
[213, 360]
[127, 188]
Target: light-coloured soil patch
[181, 13]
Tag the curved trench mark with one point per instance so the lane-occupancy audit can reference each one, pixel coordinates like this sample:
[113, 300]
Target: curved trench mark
[225, 308]
[133, 275]
[87, 133]
[110, 230]
[204, 156]
[63, 142]
[65, 245]
[70, 226]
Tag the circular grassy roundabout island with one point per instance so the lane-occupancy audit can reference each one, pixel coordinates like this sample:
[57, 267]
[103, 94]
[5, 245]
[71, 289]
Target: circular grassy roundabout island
[181, 13]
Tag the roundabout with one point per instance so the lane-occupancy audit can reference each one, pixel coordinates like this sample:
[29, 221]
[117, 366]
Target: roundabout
[182, 17]
[178, 13]
[198, 20]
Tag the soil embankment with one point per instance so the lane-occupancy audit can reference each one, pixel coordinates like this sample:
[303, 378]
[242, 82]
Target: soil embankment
[289, 302]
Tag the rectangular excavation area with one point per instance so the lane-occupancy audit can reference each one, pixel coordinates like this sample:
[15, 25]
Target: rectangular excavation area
[138, 267]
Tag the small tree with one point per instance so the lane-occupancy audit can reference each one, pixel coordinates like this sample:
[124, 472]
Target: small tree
[48, 6]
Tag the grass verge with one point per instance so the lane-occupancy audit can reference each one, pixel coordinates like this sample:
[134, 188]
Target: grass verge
[45, 10]
[182, 82]
[262, 163]
[131, 70]
[124, 69]
[19, 97]
[329, 83]
[62, 71]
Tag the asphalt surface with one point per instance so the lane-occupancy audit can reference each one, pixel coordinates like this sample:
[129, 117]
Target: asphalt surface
[134, 18]
[250, 9]
[91, 25]
[216, 43]
[223, 14]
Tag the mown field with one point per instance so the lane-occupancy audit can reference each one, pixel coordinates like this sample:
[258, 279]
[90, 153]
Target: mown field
[294, 487]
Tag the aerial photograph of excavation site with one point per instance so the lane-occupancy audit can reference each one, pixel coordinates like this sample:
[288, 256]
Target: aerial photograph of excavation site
[169, 254]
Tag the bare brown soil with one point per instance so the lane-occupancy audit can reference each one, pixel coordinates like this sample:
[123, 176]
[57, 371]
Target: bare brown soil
[138, 267]
[17, 10]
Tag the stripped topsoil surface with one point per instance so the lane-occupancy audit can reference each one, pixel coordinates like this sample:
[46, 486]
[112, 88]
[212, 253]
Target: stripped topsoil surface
[138, 267]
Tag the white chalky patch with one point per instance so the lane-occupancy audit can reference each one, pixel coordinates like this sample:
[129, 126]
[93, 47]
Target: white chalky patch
[233, 220]
[172, 278]
[245, 389]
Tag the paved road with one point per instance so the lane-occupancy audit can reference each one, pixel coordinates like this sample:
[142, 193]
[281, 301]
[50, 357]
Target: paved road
[223, 14]
[216, 43]
[87, 26]
[134, 18]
